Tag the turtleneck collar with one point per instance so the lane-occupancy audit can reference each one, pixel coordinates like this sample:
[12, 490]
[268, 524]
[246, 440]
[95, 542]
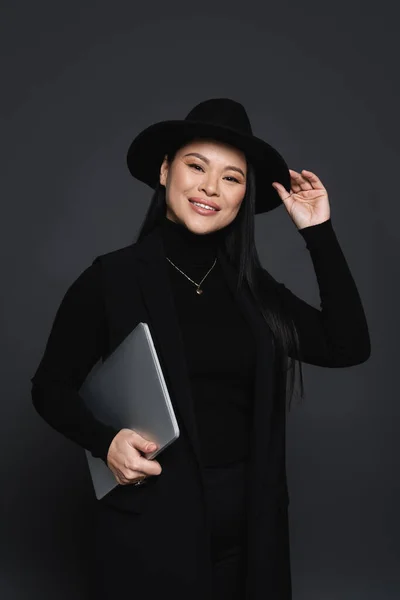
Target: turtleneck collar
[184, 247]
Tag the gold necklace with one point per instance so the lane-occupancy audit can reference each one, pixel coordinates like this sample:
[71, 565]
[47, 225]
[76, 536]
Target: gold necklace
[198, 291]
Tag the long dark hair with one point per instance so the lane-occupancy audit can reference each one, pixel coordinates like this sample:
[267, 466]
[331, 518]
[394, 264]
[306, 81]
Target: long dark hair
[240, 249]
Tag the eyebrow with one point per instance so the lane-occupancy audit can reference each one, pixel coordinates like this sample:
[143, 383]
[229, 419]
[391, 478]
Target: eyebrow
[231, 167]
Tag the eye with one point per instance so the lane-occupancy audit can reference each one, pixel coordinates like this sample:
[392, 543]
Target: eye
[195, 165]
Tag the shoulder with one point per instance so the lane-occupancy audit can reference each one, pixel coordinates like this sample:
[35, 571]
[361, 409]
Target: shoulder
[103, 267]
[116, 261]
[115, 257]
[126, 257]
[116, 264]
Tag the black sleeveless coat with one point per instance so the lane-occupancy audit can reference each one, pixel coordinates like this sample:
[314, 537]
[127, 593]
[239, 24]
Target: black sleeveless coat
[165, 519]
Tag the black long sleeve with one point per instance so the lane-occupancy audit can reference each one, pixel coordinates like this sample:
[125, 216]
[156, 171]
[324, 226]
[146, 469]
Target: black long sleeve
[336, 335]
[75, 343]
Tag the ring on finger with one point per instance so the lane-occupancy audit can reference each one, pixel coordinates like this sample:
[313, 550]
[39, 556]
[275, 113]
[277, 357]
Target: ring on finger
[140, 481]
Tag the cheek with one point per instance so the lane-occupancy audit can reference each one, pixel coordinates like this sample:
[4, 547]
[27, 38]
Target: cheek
[237, 198]
[183, 181]
[188, 180]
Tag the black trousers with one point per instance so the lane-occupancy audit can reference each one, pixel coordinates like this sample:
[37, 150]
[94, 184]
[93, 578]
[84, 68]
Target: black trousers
[226, 502]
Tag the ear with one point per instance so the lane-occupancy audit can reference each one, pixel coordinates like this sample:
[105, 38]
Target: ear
[164, 171]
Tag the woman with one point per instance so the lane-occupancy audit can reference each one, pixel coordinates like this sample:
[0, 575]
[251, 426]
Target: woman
[209, 518]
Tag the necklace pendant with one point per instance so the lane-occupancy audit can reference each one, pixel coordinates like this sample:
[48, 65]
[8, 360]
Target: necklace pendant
[199, 291]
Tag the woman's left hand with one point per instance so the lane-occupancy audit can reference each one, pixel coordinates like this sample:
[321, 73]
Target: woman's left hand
[307, 202]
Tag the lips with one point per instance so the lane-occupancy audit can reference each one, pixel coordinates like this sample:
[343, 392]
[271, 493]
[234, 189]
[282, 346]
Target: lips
[207, 202]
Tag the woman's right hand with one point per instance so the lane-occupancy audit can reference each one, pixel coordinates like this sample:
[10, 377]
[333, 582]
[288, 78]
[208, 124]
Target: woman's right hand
[125, 460]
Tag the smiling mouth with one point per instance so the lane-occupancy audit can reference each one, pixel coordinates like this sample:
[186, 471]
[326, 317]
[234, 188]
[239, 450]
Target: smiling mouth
[203, 206]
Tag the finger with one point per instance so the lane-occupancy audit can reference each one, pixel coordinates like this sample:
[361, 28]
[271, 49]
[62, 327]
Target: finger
[132, 476]
[285, 196]
[120, 475]
[149, 467]
[140, 443]
[283, 193]
[299, 182]
[314, 180]
[122, 479]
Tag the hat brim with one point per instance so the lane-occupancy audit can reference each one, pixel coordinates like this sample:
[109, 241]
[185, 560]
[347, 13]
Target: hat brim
[149, 147]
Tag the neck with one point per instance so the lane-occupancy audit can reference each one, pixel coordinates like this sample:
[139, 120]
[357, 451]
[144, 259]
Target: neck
[184, 247]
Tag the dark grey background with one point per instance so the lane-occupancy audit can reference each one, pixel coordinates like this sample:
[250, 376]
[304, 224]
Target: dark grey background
[320, 82]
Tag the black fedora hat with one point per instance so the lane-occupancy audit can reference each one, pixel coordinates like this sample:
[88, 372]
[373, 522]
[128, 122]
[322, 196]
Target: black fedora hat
[221, 119]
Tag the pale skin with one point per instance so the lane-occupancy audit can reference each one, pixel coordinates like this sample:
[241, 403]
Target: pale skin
[218, 173]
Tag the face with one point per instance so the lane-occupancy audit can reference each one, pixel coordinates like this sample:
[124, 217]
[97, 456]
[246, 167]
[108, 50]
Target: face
[204, 171]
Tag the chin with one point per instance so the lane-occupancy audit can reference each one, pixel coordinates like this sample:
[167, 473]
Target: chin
[200, 224]
[195, 222]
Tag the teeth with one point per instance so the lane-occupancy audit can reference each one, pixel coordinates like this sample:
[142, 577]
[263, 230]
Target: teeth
[204, 206]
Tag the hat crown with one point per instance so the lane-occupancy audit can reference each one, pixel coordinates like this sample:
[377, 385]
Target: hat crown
[221, 111]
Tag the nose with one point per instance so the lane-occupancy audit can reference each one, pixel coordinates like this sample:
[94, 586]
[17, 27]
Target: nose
[210, 185]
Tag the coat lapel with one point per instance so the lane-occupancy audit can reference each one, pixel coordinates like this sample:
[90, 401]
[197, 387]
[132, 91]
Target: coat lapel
[163, 322]
[165, 329]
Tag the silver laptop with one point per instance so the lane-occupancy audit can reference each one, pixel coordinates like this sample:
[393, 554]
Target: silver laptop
[128, 390]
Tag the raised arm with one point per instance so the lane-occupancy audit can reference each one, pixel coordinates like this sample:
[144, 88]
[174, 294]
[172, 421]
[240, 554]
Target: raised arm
[336, 334]
[76, 342]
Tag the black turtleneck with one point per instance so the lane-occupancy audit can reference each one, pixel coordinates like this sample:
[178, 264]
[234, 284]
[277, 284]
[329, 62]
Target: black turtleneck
[220, 349]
